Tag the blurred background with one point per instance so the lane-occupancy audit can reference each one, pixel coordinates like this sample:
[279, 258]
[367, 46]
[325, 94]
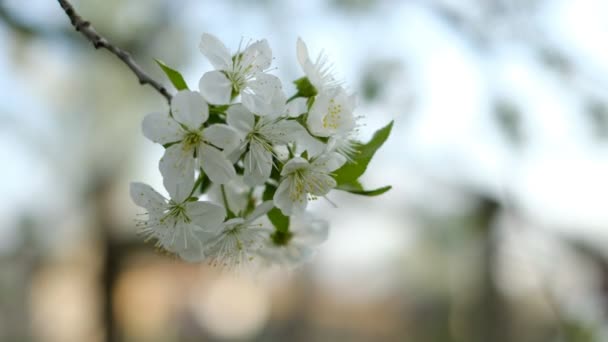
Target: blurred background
[495, 230]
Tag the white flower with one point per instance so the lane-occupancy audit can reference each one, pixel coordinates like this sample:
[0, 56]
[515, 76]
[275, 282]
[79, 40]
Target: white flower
[238, 240]
[242, 73]
[180, 226]
[185, 130]
[331, 113]
[259, 137]
[299, 244]
[302, 178]
[319, 72]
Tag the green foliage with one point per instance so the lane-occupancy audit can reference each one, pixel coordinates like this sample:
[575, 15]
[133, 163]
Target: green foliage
[357, 189]
[279, 221]
[174, 76]
[348, 175]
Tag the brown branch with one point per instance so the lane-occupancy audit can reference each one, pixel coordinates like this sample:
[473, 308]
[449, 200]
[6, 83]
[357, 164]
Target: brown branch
[98, 41]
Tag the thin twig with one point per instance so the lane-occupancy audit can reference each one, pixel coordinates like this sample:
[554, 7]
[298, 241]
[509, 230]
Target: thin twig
[98, 41]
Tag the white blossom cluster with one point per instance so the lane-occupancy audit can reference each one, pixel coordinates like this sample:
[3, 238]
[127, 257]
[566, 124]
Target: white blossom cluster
[242, 162]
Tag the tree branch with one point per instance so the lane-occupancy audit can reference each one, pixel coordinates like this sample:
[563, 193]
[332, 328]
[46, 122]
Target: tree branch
[98, 41]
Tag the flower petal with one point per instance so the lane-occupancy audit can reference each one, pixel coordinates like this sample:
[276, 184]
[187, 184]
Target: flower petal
[161, 128]
[318, 184]
[215, 51]
[264, 95]
[187, 240]
[288, 199]
[293, 164]
[146, 197]
[307, 142]
[240, 118]
[282, 132]
[316, 116]
[296, 107]
[329, 162]
[215, 164]
[258, 164]
[259, 211]
[190, 109]
[222, 136]
[206, 215]
[302, 52]
[215, 87]
[257, 57]
[177, 169]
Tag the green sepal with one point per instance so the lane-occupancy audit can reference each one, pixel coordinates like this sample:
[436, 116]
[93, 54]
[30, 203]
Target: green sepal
[167, 145]
[281, 238]
[350, 172]
[174, 76]
[305, 88]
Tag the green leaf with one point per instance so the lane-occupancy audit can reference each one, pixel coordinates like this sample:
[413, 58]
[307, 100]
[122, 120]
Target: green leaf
[352, 170]
[358, 190]
[174, 76]
[279, 221]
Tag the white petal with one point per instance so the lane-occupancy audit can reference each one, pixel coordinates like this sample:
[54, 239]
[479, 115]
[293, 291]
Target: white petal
[259, 211]
[222, 136]
[264, 95]
[190, 109]
[316, 116]
[294, 164]
[144, 196]
[187, 241]
[329, 162]
[215, 164]
[257, 56]
[215, 87]
[307, 142]
[302, 52]
[319, 184]
[206, 215]
[296, 107]
[240, 118]
[258, 164]
[161, 128]
[177, 169]
[290, 201]
[215, 51]
[283, 132]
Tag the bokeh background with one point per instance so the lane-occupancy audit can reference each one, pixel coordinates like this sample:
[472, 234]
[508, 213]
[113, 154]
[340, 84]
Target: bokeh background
[496, 228]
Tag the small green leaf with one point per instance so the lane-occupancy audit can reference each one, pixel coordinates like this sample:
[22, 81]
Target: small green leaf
[174, 76]
[279, 221]
[358, 190]
[352, 170]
